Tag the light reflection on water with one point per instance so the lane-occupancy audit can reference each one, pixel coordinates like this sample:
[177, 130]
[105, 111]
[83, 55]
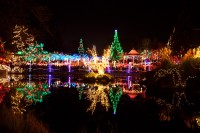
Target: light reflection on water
[29, 89]
[26, 90]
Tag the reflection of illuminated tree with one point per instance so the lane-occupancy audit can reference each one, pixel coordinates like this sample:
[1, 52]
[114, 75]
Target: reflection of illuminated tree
[173, 73]
[16, 77]
[3, 81]
[4, 67]
[3, 90]
[2, 95]
[35, 92]
[179, 99]
[97, 95]
[115, 94]
[166, 110]
[80, 89]
[19, 103]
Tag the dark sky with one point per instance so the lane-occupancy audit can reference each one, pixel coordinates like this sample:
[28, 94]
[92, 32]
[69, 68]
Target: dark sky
[95, 21]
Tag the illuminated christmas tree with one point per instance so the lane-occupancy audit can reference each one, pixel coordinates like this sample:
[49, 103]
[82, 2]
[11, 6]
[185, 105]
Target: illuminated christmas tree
[81, 48]
[1, 46]
[36, 53]
[21, 38]
[116, 49]
[170, 41]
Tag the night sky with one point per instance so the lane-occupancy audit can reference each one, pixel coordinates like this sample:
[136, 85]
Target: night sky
[96, 20]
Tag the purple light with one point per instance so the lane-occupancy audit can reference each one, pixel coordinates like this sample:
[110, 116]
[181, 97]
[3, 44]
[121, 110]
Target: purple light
[69, 80]
[129, 81]
[129, 68]
[49, 80]
[69, 68]
[108, 68]
[30, 67]
[49, 68]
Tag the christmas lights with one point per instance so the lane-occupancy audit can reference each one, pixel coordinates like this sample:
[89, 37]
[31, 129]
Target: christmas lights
[21, 38]
[116, 49]
[96, 94]
[115, 93]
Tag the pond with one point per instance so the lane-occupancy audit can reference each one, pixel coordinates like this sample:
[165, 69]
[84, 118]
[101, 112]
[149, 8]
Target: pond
[67, 104]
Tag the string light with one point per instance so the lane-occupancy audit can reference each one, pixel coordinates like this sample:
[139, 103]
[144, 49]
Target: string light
[115, 93]
[35, 92]
[116, 49]
[174, 73]
[19, 103]
[96, 94]
[21, 38]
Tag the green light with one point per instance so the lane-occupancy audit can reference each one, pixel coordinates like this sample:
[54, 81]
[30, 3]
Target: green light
[34, 92]
[116, 49]
[115, 94]
[20, 53]
[81, 48]
[36, 53]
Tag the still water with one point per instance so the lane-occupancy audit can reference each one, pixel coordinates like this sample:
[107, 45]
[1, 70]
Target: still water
[68, 104]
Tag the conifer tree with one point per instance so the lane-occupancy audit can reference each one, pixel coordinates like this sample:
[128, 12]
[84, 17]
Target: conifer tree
[81, 48]
[35, 53]
[21, 38]
[116, 49]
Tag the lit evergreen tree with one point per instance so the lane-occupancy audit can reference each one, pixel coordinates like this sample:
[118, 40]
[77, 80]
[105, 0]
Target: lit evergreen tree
[81, 48]
[35, 53]
[170, 40]
[21, 38]
[2, 50]
[116, 51]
